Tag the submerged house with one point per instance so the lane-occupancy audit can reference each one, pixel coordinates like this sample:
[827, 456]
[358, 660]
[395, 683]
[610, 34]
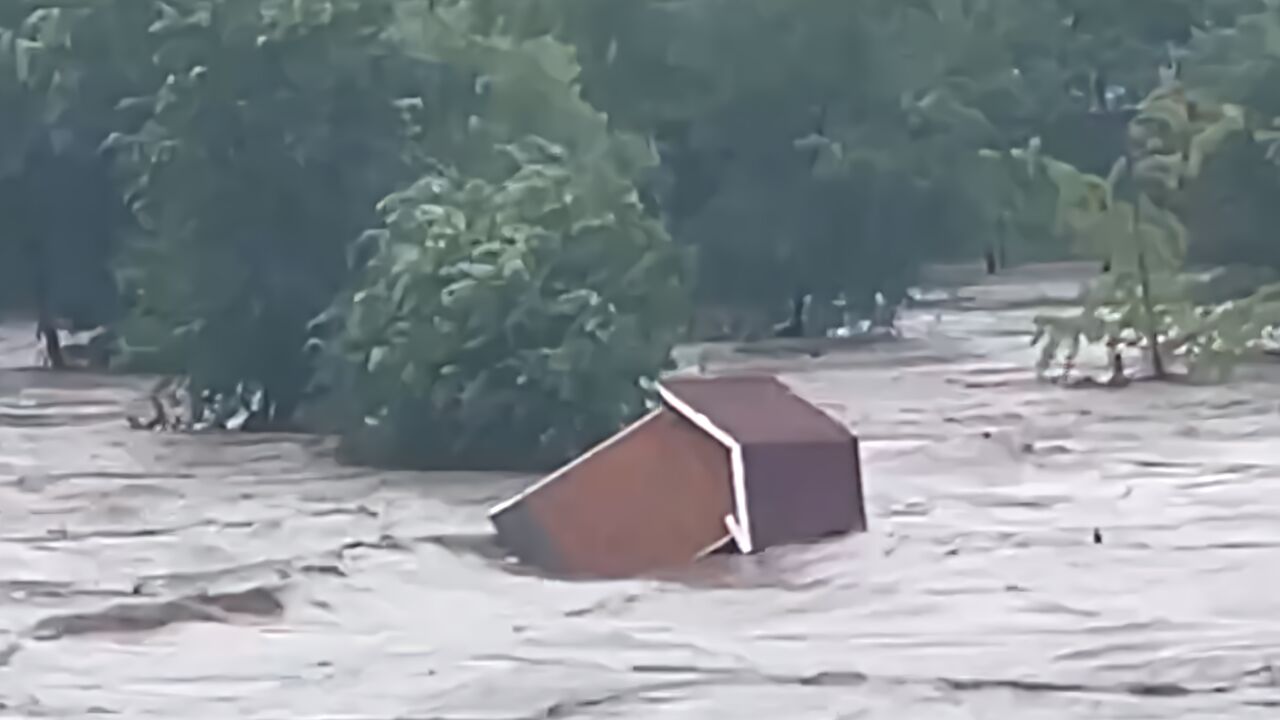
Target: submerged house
[738, 463]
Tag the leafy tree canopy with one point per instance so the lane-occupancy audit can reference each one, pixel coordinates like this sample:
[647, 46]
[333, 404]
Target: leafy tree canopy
[478, 222]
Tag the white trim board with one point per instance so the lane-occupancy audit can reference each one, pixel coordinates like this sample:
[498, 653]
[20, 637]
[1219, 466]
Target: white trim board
[714, 546]
[737, 467]
[564, 470]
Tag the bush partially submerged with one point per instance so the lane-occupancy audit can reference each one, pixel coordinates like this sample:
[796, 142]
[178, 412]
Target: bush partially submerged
[505, 318]
[1132, 222]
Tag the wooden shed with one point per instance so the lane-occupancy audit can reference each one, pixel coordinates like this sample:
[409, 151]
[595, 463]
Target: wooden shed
[739, 462]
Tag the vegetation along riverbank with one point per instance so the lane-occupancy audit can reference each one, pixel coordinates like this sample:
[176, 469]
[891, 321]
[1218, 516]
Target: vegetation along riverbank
[470, 232]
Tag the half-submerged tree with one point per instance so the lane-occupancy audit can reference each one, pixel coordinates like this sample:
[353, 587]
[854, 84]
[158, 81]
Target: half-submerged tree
[507, 318]
[61, 215]
[1130, 221]
[514, 300]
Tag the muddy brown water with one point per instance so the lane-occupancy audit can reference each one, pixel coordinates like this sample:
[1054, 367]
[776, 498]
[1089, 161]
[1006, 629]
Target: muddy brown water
[168, 576]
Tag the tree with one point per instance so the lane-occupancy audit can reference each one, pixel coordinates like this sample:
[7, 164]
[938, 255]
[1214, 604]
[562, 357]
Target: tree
[835, 161]
[61, 211]
[1231, 208]
[1144, 300]
[516, 299]
[260, 156]
[797, 146]
[508, 317]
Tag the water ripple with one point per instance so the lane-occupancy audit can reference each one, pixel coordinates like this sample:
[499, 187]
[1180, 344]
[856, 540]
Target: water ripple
[158, 576]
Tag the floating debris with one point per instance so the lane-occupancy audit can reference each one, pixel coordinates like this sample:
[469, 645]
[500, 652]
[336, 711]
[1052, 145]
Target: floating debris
[725, 463]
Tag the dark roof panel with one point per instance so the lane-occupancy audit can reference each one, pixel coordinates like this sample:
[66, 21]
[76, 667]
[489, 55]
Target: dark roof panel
[799, 492]
[756, 409]
[738, 455]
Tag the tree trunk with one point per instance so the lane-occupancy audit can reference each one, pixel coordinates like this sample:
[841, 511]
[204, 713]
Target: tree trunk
[41, 285]
[1148, 305]
[48, 332]
[1005, 229]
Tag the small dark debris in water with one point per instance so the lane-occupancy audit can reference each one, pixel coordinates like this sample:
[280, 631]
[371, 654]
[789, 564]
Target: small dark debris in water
[6, 654]
[606, 605]
[1165, 690]
[1097, 536]
[27, 589]
[683, 670]
[165, 584]
[259, 601]
[143, 616]
[123, 618]
[384, 542]
[1023, 685]
[833, 679]
[329, 569]
[1158, 689]
[361, 510]
[1268, 671]
[979, 384]
[672, 487]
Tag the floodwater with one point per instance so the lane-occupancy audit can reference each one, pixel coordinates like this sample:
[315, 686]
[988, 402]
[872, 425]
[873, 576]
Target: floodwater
[169, 576]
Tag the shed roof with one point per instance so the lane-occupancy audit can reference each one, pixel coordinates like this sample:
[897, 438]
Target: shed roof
[780, 446]
[754, 409]
[739, 456]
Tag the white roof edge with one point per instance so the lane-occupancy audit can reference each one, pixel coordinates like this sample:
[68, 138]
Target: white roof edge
[565, 469]
[737, 468]
[714, 546]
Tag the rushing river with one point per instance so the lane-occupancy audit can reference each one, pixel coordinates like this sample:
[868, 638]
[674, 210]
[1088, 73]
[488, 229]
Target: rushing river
[215, 577]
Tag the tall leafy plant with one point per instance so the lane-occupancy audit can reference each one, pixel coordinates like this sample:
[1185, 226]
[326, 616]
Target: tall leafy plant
[1131, 221]
[63, 68]
[514, 315]
[277, 127]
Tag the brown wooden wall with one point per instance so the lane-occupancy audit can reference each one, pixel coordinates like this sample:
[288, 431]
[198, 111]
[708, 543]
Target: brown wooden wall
[802, 472]
[654, 498]
[802, 492]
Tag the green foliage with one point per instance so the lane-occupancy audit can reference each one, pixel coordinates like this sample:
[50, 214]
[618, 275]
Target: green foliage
[263, 151]
[60, 211]
[835, 160]
[844, 156]
[1232, 209]
[1239, 62]
[508, 317]
[1029, 198]
[253, 141]
[530, 168]
[1144, 300]
[1207, 340]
